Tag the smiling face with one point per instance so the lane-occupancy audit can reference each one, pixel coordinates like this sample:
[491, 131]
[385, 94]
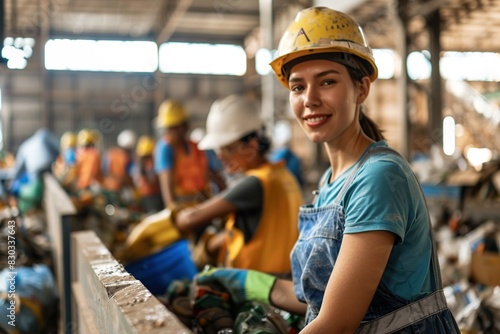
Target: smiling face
[324, 99]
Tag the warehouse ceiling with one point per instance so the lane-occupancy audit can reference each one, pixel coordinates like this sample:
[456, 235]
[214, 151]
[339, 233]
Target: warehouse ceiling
[162, 20]
[466, 25]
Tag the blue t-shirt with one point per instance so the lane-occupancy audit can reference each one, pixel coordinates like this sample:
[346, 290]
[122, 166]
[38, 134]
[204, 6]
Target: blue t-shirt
[164, 157]
[385, 195]
[69, 156]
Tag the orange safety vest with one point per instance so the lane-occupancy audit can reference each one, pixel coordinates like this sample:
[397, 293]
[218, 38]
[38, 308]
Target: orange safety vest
[147, 183]
[116, 176]
[269, 248]
[190, 170]
[88, 167]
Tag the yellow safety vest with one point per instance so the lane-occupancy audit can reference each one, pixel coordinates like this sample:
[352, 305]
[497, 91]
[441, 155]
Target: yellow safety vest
[269, 249]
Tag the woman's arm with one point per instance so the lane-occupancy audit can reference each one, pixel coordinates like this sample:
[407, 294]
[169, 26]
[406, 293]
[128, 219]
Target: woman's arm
[167, 188]
[217, 178]
[352, 284]
[283, 297]
[245, 195]
[199, 215]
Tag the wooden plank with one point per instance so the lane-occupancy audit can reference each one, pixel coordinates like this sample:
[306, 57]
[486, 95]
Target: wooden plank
[116, 301]
[58, 210]
[85, 316]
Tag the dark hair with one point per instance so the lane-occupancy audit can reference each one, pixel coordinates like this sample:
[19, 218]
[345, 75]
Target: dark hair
[263, 140]
[369, 127]
[362, 67]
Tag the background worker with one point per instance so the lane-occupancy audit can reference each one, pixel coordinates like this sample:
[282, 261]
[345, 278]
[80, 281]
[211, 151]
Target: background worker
[196, 135]
[64, 168]
[145, 178]
[88, 159]
[184, 171]
[34, 157]
[67, 146]
[366, 245]
[262, 206]
[118, 162]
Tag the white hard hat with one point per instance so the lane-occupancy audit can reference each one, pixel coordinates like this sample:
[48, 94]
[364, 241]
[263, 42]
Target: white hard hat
[230, 119]
[126, 139]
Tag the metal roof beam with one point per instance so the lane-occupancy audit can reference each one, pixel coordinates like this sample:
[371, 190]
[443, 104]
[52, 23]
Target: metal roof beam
[172, 20]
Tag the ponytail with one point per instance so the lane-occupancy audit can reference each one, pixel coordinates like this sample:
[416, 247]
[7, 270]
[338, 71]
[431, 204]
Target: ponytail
[369, 127]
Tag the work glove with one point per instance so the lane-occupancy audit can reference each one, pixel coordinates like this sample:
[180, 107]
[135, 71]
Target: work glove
[242, 285]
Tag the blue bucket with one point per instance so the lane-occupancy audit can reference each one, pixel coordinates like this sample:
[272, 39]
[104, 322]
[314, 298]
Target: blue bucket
[157, 271]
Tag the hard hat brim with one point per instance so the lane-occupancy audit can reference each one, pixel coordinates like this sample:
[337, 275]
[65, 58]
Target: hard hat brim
[278, 63]
[212, 142]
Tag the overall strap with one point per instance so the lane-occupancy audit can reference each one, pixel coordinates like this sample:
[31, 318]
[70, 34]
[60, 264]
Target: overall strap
[406, 315]
[352, 175]
[357, 166]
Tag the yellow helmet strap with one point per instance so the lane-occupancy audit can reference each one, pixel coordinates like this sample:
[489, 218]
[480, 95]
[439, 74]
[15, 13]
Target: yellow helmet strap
[350, 61]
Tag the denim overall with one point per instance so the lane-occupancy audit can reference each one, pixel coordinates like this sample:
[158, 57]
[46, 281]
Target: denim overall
[313, 258]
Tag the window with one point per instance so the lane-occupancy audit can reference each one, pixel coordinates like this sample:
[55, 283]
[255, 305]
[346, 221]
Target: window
[221, 59]
[102, 55]
[468, 66]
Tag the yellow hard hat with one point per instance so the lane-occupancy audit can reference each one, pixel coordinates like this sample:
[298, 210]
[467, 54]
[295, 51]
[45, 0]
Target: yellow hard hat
[145, 146]
[171, 113]
[68, 140]
[87, 137]
[318, 30]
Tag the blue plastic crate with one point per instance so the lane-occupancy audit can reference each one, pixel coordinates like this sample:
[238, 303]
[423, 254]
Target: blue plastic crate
[157, 271]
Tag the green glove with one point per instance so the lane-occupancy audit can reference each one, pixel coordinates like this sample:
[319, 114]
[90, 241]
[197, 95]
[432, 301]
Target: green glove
[242, 285]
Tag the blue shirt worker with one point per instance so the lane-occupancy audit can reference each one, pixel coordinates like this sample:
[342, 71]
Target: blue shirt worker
[184, 171]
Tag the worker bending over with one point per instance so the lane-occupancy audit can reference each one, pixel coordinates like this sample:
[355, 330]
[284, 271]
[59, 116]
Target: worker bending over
[262, 206]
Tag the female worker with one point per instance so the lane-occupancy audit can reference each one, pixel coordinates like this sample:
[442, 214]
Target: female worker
[365, 259]
[262, 206]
